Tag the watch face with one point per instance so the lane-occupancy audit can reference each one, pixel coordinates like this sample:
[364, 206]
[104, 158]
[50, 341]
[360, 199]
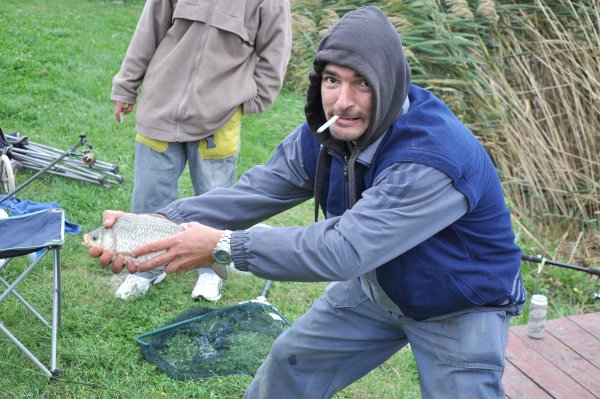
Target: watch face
[223, 257]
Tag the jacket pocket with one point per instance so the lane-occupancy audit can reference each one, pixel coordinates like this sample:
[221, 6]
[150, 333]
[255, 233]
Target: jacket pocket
[157, 145]
[345, 294]
[226, 139]
[474, 340]
[228, 15]
[463, 293]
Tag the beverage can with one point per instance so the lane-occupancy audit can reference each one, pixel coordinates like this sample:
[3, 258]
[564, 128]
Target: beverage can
[537, 316]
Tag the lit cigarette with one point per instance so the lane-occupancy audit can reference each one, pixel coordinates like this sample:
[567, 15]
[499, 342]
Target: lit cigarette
[328, 123]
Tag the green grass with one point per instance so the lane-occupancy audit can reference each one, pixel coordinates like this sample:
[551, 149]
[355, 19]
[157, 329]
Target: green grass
[57, 60]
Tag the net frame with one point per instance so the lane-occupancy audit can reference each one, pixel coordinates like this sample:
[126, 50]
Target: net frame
[207, 342]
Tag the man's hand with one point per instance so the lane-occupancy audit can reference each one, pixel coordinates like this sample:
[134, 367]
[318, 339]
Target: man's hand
[185, 251]
[122, 109]
[106, 256]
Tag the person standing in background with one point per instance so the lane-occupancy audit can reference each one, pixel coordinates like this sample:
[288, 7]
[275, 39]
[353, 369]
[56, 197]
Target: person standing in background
[201, 65]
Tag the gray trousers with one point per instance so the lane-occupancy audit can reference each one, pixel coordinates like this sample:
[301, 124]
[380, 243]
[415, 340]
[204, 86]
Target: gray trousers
[345, 335]
[156, 179]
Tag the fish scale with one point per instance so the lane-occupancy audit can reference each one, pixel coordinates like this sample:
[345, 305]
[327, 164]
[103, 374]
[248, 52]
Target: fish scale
[130, 232]
[133, 230]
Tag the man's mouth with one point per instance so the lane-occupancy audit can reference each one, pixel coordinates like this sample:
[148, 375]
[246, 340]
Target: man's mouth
[349, 119]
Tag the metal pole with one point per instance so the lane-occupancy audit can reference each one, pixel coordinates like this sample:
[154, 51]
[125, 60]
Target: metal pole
[263, 295]
[539, 259]
[57, 160]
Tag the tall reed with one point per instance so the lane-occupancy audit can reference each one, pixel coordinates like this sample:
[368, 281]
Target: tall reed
[525, 78]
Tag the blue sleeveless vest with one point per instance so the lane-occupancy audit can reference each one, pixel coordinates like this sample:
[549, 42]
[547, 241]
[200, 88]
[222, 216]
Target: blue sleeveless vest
[474, 261]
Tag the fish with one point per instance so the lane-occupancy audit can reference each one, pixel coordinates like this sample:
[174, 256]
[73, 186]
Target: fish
[133, 230]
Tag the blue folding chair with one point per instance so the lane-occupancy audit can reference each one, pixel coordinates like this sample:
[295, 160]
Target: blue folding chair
[41, 233]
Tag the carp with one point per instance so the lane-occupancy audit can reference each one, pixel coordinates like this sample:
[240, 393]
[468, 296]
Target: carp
[133, 230]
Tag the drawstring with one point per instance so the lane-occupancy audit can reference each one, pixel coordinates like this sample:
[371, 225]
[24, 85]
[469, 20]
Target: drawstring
[351, 179]
[319, 179]
[321, 160]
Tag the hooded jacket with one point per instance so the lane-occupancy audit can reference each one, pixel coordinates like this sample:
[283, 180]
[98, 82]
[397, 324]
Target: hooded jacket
[428, 234]
[473, 261]
[366, 29]
[198, 61]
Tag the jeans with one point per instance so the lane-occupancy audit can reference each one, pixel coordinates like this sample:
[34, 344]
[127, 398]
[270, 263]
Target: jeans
[157, 173]
[345, 335]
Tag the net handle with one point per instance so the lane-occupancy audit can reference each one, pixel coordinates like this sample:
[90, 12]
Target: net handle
[263, 295]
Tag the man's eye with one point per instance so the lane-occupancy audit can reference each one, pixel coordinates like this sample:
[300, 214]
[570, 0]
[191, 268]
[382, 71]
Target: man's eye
[329, 79]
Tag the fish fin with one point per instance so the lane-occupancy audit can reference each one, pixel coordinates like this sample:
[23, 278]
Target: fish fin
[220, 270]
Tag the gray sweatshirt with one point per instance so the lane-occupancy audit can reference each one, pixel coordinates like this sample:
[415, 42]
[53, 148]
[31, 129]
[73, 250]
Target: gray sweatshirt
[414, 200]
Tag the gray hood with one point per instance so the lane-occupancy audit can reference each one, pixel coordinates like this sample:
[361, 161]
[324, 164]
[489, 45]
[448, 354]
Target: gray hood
[365, 41]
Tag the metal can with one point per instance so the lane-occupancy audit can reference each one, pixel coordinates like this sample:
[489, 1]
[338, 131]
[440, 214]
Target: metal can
[537, 316]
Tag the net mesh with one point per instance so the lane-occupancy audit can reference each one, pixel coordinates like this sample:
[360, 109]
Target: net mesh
[205, 342]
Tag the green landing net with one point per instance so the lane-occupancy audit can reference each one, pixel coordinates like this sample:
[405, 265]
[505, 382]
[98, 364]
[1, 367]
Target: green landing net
[205, 342]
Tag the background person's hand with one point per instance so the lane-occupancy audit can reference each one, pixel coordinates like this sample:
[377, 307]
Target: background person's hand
[122, 109]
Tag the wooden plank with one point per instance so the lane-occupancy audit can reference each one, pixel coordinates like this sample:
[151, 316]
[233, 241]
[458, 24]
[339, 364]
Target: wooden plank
[518, 386]
[561, 355]
[590, 322]
[577, 338]
[540, 370]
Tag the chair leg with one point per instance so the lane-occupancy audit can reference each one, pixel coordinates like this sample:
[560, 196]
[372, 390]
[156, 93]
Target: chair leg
[56, 310]
[21, 277]
[25, 303]
[21, 235]
[25, 351]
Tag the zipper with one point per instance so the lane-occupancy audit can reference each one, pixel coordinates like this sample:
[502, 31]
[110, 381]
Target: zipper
[346, 168]
[188, 86]
[346, 185]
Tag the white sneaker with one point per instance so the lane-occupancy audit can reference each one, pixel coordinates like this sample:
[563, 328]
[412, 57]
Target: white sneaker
[135, 286]
[208, 286]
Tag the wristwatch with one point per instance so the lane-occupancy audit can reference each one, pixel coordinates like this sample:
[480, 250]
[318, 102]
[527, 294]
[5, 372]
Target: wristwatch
[222, 251]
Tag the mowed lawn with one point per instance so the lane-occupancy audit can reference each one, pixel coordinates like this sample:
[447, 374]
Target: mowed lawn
[57, 60]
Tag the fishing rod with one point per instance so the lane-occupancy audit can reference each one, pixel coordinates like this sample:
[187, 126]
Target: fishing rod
[65, 154]
[539, 259]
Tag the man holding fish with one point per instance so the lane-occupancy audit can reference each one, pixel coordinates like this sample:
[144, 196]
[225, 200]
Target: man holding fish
[417, 240]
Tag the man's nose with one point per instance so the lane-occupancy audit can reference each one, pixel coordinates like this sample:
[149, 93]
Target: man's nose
[346, 97]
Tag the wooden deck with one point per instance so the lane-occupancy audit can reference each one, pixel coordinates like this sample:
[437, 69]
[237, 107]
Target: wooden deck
[564, 364]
